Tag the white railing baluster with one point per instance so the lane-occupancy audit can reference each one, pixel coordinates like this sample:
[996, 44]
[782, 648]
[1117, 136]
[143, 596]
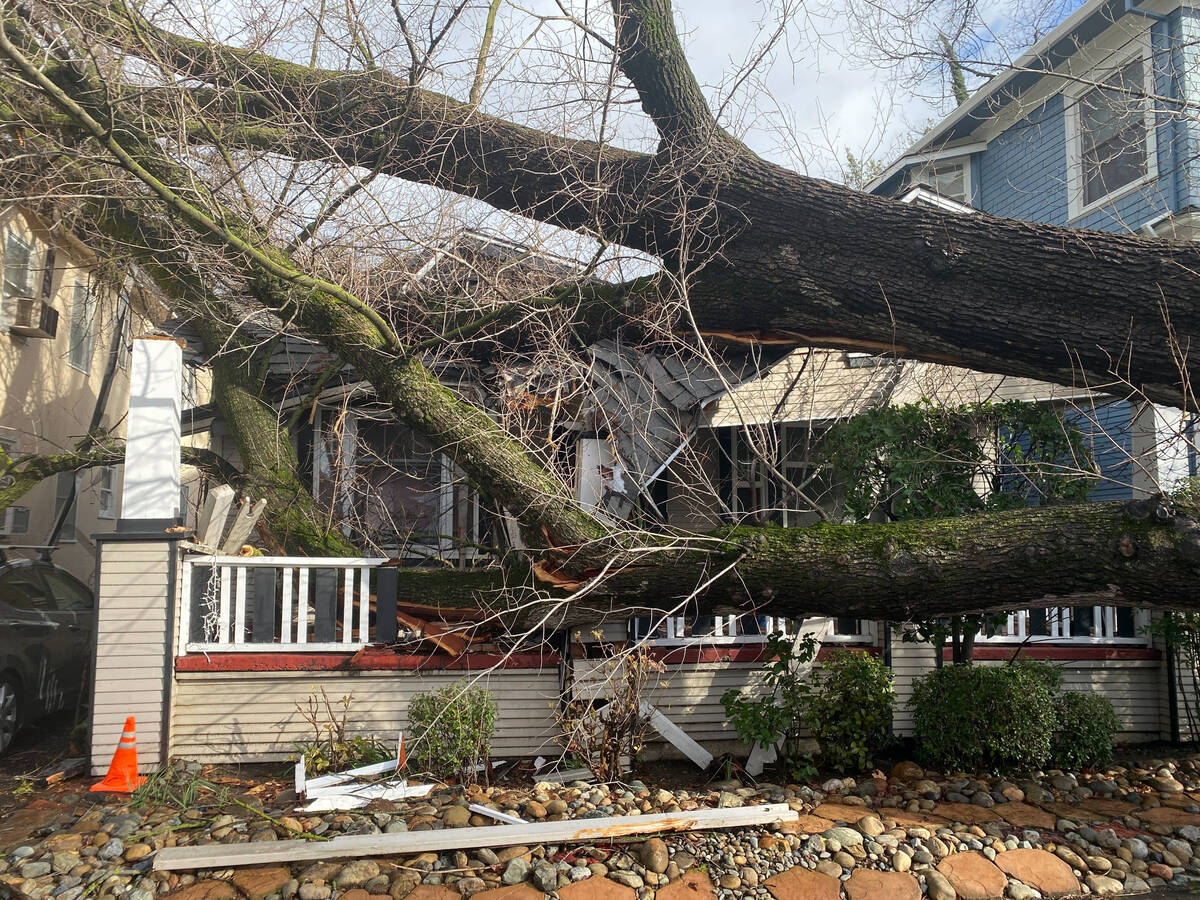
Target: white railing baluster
[285, 620]
[239, 608]
[348, 607]
[185, 607]
[302, 608]
[223, 615]
[364, 606]
[229, 605]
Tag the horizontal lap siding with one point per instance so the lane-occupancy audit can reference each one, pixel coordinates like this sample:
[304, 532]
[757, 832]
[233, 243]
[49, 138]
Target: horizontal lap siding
[1134, 686]
[131, 649]
[246, 716]
[689, 695]
[909, 662]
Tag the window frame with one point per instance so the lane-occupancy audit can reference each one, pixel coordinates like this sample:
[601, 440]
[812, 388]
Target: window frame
[1060, 628]
[68, 534]
[85, 314]
[106, 510]
[924, 173]
[725, 634]
[7, 523]
[1073, 96]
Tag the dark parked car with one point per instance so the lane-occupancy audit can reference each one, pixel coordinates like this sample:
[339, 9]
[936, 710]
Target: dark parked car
[46, 623]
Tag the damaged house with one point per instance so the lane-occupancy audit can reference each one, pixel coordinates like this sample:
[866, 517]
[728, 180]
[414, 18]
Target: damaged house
[652, 433]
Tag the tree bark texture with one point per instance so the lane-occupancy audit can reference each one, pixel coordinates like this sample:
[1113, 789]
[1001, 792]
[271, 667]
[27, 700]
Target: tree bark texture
[788, 257]
[1137, 553]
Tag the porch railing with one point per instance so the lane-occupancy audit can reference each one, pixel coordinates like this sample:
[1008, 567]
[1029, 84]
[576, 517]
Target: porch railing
[276, 603]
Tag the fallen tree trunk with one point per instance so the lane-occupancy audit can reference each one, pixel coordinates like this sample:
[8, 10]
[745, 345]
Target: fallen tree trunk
[786, 257]
[1140, 553]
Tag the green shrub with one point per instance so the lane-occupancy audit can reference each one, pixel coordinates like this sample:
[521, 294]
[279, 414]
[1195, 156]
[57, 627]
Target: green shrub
[775, 712]
[450, 731]
[1083, 735]
[850, 710]
[974, 718]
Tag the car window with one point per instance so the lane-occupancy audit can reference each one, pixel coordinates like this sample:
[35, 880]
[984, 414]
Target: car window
[68, 593]
[22, 589]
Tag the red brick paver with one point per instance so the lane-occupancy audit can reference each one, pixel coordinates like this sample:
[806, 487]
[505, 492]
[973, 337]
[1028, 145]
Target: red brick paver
[694, 885]
[973, 877]
[799, 883]
[868, 884]
[1042, 871]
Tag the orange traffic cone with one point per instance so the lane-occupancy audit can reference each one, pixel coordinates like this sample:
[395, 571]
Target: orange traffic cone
[122, 777]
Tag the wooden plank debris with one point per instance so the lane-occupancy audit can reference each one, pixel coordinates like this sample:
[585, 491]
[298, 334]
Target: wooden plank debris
[223, 856]
[565, 776]
[211, 523]
[243, 523]
[63, 770]
[496, 814]
[356, 796]
[677, 736]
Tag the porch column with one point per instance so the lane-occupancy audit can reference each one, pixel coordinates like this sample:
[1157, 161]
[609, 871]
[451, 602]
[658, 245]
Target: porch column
[136, 568]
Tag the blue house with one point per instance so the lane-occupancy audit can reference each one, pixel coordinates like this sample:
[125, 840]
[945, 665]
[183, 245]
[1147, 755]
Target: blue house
[1090, 128]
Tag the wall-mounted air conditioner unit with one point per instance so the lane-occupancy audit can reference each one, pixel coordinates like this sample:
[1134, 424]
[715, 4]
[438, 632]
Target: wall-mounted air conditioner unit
[30, 317]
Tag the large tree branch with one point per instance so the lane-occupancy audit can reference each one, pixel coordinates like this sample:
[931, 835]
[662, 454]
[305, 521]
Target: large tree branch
[21, 475]
[1138, 553]
[330, 315]
[794, 257]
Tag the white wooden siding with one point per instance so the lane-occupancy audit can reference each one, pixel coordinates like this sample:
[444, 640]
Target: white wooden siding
[131, 650]
[688, 694]
[253, 716]
[1134, 686]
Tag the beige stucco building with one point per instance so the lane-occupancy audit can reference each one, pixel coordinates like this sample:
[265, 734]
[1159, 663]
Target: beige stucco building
[59, 316]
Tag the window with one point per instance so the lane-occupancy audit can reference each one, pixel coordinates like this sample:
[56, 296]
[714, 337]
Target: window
[18, 261]
[20, 588]
[123, 326]
[1088, 624]
[67, 592]
[394, 489]
[675, 631]
[1111, 144]
[83, 309]
[64, 493]
[951, 180]
[15, 521]
[758, 492]
[107, 493]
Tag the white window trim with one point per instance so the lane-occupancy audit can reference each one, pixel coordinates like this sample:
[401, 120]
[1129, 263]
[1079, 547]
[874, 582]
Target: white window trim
[6, 521]
[1060, 629]
[724, 633]
[1076, 208]
[89, 305]
[106, 510]
[953, 203]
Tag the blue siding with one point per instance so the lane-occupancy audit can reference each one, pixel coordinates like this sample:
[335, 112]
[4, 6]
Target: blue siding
[1107, 428]
[1023, 172]
[1185, 59]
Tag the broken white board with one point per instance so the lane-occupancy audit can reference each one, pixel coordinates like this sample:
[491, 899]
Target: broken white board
[358, 796]
[243, 524]
[211, 523]
[760, 756]
[360, 846]
[496, 814]
[677, 736]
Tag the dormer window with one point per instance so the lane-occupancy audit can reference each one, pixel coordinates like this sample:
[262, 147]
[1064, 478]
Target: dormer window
[1110, 140]
[949, 178]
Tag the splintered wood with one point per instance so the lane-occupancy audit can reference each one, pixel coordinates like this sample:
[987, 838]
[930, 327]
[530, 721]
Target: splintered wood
[221, 856]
